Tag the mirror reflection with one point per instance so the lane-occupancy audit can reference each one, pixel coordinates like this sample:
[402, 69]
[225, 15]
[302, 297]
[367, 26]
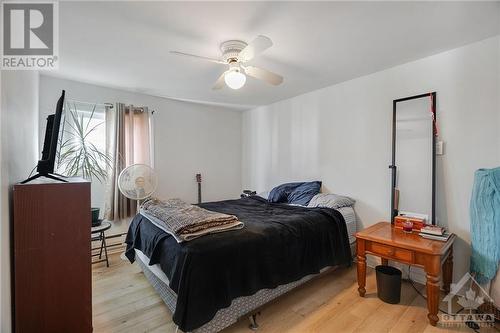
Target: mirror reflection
[414, 158]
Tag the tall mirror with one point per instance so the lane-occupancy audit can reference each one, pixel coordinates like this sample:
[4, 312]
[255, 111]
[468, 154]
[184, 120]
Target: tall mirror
[414, 157]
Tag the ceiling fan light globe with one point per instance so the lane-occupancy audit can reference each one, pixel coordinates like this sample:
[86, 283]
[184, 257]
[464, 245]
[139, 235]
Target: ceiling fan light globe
[235, 79]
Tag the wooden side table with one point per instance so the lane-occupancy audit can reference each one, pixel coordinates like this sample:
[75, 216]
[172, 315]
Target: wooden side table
[389, 243]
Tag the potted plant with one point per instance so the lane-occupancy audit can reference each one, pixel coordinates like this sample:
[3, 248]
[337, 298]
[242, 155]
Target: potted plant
[78, 156]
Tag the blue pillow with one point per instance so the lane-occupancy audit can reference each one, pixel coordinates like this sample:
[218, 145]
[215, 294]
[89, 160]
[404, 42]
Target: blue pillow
[281, 192]
[302, 194]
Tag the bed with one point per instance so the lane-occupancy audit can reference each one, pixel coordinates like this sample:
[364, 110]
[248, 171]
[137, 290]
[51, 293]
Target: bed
[211, 282]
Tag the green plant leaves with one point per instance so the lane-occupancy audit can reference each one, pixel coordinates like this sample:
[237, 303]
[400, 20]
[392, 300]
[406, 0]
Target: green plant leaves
[78, 155]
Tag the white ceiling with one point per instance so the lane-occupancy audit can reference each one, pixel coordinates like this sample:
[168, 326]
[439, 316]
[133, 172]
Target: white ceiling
[127, 44]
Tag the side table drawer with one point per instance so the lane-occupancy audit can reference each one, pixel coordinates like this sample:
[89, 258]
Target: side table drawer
[389, 251]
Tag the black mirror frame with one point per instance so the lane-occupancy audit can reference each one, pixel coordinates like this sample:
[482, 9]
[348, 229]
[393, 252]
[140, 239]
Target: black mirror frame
[393, 166]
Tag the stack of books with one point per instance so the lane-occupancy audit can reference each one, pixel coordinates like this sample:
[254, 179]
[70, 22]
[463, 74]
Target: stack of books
[434, 232]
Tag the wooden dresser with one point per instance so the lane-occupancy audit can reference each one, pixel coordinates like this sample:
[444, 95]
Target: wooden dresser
[52, 274]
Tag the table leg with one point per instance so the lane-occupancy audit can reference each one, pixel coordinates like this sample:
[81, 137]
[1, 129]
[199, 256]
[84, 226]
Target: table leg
[385, 262]
[432, 269]
[432, 298]
[105, 249]
[361, 256]
[102, 244]
[448, 272]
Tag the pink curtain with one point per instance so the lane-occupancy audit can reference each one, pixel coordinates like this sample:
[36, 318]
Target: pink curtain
[128, 141]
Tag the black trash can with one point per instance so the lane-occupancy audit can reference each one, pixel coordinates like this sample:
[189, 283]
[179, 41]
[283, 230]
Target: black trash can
[388, 283]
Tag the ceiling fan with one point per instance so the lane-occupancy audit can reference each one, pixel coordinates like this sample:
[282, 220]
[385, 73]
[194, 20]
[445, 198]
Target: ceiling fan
[234, 54]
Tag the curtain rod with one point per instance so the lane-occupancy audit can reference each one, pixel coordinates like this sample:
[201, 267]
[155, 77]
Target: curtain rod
[141, 108]
[110, 105]
[106, 104]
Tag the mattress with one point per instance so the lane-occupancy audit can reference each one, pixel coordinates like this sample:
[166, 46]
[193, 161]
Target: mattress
[155, 269]
[350, 221]
[347, 212]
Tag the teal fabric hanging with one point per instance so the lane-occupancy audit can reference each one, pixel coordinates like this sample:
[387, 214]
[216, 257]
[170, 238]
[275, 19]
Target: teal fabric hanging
[485, 224]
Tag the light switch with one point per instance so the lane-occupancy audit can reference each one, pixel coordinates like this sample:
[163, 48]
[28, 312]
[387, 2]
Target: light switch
[440, 148]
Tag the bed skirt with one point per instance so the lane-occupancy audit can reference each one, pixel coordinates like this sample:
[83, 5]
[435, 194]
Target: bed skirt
[239, 307]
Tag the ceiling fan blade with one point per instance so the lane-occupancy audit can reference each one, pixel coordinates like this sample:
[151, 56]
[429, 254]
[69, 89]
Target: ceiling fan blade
[254, 48]
[198, 57]
[220, 82]
[263, 74]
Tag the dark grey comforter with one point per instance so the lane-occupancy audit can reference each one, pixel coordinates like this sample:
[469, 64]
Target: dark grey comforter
[279, 244]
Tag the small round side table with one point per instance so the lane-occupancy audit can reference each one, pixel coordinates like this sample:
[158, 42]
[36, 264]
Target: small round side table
[97, 234]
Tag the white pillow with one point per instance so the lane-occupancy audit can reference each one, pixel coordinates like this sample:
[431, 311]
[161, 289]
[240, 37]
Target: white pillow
[330, 200]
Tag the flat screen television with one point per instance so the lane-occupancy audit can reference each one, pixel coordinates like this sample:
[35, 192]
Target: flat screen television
[45, 166]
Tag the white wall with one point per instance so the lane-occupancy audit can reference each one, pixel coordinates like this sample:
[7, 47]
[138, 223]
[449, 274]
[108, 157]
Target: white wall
[189, 138]
[18, 155]
[342, 135]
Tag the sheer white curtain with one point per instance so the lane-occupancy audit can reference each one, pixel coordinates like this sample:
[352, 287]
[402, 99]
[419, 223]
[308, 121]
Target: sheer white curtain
[128, 141]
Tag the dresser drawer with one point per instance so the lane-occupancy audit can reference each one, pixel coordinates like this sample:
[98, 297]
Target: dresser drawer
[390, 252]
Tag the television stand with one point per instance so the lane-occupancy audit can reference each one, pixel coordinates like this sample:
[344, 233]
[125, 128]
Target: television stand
[46, 175]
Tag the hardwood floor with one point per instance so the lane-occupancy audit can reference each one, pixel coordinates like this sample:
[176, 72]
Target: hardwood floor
[123, 301]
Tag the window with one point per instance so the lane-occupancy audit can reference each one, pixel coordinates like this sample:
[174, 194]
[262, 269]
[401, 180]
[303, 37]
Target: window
[82, 148]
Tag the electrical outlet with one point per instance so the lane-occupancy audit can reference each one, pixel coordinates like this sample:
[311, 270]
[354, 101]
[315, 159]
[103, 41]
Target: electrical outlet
[440, 148]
